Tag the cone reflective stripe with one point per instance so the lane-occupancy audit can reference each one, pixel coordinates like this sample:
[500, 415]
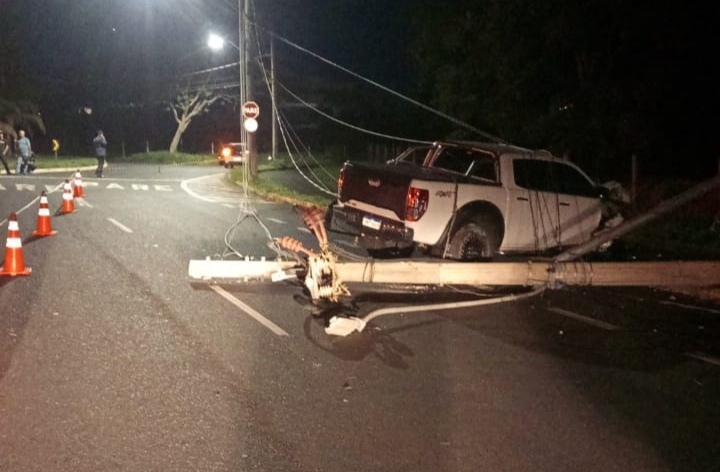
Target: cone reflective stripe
[14, 261]
[77, 185]
[68, 204]
[44, 226]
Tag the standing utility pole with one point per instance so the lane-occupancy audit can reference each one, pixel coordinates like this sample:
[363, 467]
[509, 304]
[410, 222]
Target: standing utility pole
[242, 66]
[246, 82]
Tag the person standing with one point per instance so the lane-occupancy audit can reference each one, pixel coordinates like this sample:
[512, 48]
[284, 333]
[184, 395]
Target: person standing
[4, 151]
[100, 145]
[24, 150]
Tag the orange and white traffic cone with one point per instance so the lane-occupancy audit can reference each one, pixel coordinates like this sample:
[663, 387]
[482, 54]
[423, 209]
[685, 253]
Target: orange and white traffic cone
[44, 226]
[14, 260]
[68, 204]
[78, 185]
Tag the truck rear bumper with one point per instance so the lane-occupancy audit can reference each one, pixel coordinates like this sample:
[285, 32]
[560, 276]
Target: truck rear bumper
[373, 232]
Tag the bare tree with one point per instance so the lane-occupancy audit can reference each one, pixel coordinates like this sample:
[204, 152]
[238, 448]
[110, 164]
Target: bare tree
[186, 106]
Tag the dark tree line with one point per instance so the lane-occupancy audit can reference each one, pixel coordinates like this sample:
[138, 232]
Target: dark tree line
[597, 80]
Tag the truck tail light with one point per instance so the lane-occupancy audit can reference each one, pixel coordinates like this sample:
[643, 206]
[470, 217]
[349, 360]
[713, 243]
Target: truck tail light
[416, 203]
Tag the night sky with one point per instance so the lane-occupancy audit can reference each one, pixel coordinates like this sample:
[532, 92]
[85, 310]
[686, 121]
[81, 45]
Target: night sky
[113, 55]
[105, 54]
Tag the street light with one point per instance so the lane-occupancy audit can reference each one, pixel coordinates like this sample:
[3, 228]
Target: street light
[216, 42]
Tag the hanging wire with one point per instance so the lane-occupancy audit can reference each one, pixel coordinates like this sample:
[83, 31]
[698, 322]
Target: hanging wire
[356, 128]
[384, 88]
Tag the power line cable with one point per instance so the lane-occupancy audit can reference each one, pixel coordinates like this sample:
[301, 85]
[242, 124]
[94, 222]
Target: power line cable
[384, 88]
[356, 128]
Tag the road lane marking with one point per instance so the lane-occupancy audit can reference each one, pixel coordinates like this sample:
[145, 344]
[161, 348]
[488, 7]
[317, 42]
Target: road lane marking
[346, 243]
[250, 311]
[304, 230]
[691, 307]
[120, 225]
[584, 319]
[275, 220]
[701, 356]
[185, 185]
[81, 202]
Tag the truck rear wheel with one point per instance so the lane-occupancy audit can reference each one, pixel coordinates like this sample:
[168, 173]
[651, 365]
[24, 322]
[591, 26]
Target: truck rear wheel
[477, 239]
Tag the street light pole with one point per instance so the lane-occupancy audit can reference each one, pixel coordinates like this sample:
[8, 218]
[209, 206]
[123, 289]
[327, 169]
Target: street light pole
[274, 103]
[245, 81]
[242, 70]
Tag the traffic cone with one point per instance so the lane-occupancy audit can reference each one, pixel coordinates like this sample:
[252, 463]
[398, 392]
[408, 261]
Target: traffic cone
[68, 204]
[14, 260]
[78, 185]
[44, 227]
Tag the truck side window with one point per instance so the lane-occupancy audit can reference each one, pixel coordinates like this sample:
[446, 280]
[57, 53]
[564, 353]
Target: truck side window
[572, 182]
[454, 160]
[556, 177]
[483, 167]
[534, 175]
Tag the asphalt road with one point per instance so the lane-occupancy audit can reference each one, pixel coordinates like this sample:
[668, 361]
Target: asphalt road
[111, 359]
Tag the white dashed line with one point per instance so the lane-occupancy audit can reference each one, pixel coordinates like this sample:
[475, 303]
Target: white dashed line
[346, 243]
[584, 319]
[691, 307]
[250, 311]
[304, 230]
[120, 225]
[275, 220]
[81, 202]
[704, 357]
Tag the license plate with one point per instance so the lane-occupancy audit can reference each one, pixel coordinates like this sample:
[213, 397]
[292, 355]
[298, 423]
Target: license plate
[370, 222]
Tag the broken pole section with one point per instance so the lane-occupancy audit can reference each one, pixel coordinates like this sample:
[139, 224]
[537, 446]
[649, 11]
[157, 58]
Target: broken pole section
[664, 207]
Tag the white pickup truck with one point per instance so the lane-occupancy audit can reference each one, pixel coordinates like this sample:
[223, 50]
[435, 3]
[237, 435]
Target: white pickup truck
[468, 201]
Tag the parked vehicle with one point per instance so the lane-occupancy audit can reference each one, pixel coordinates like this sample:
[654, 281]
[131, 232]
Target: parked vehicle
[468, 201]
[233, 153]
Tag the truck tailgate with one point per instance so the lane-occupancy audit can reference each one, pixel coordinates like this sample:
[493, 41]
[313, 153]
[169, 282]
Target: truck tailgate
[378, 185]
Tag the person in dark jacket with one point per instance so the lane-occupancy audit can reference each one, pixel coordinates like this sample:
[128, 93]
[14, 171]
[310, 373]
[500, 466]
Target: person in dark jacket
[4, 152]
[100, 145]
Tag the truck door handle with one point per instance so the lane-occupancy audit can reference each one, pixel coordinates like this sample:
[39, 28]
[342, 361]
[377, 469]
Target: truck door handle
[565, 204]
[523, 199]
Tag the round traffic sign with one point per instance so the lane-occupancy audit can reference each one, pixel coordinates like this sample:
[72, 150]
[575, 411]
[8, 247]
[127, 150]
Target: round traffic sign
[250, 124]
[250, 110]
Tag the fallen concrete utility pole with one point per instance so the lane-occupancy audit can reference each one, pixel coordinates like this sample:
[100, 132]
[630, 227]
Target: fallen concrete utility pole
[553, 274]
[533, 273]
[665, 207]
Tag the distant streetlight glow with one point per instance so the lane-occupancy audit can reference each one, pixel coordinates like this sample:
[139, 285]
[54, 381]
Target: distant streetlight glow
[215, 42]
